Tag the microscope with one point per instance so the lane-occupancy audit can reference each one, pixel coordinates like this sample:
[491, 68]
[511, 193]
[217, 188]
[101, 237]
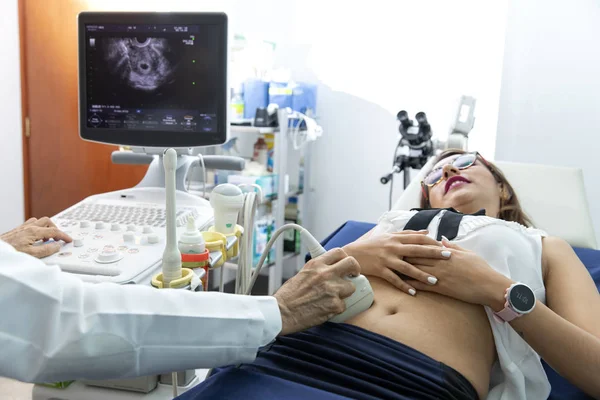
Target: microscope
[416, 136]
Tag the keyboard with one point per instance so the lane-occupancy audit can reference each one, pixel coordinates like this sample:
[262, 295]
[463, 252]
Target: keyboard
[146, 215]
[120, 236]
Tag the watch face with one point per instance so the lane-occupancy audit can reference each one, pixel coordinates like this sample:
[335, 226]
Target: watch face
[522, 298]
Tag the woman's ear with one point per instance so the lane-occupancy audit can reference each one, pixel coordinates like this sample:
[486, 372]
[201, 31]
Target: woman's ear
[504, 192]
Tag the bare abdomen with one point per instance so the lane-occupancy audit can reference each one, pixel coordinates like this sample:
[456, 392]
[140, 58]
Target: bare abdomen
[450, 331]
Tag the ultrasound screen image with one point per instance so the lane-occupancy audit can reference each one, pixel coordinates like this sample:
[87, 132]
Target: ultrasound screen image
[145, 64]
[152, 79]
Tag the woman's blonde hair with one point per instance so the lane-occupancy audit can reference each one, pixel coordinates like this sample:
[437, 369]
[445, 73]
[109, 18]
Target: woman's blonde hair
[510, 208]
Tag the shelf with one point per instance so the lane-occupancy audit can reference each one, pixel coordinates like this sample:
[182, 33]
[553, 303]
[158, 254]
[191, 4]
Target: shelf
[252, 129]
[289, 194]
[288, 126]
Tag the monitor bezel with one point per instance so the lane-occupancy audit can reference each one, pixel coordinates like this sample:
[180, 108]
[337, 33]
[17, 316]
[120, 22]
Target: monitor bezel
[154, 138]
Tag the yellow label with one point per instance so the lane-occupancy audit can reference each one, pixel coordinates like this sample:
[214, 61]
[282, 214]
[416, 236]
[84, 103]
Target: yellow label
[237, 110]
[280, 91]
[192, 265]
[270, 140]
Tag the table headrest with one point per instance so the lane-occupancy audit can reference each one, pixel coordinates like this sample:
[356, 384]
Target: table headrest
[553, 197]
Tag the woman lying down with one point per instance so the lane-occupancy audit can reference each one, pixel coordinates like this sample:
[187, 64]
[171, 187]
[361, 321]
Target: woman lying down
[440, 326]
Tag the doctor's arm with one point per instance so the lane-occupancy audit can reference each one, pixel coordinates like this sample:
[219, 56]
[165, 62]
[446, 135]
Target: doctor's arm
[55, 327]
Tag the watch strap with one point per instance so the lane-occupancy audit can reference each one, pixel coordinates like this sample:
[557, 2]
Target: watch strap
[507, 314]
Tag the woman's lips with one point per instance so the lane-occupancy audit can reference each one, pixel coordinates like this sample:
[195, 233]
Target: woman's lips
[455, 182]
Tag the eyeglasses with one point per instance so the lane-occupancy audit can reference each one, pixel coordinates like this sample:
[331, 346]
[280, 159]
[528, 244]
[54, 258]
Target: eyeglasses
[463, 161]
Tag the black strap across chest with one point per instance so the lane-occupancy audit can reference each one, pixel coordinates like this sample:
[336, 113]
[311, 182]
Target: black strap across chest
[448, 225]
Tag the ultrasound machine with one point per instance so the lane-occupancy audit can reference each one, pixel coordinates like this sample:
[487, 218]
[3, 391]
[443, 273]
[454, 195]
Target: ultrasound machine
[148, 81]
[157, 83]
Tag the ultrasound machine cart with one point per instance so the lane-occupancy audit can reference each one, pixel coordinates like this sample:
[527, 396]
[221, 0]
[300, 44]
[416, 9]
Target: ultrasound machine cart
[150, 81]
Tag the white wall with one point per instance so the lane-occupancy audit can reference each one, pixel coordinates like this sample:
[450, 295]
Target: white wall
[550, 93]
[248, 17]
[11, 174]
[369, 63]
[373, 61]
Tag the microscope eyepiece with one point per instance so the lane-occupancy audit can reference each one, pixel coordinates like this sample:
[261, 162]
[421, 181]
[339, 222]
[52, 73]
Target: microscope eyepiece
[404, 120]
[423, 123]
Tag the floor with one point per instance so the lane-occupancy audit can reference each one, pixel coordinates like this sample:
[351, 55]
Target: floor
[13, 390]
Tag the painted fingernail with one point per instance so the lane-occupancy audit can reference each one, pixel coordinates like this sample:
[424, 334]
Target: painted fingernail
[446, 253]
[445, 238]
[412, 292]
[432, 280]
[423, 231]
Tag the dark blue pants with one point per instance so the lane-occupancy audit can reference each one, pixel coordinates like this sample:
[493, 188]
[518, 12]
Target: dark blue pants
[336, 361]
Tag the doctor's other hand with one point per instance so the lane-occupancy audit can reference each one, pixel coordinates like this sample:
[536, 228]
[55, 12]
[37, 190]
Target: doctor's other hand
[317, 292]
[23, 237]
[383, 255]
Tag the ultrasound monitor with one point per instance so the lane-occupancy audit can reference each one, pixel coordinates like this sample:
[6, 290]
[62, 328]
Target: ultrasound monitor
[153, 79]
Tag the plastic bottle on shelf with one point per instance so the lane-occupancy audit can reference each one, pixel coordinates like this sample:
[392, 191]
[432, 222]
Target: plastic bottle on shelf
[193, 250]
[270, 139]
[237, 104]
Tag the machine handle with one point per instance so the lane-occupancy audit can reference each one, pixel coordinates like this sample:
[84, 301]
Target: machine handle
[227, 163]
[386, 178]
[127, 157]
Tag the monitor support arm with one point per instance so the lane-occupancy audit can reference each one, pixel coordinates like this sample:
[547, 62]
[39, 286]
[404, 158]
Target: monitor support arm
[155, 176]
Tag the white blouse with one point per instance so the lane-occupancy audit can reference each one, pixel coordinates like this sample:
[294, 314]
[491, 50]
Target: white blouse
[516, 252]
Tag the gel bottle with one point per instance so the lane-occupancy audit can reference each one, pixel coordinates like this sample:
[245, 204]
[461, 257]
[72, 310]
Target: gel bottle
[193, 250]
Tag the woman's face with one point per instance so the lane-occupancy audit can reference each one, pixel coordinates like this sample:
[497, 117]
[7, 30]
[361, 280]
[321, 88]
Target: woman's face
[468, 190]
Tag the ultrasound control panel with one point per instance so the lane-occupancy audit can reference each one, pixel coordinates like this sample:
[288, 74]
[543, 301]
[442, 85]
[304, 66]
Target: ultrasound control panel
[120, 236]
[150, 119]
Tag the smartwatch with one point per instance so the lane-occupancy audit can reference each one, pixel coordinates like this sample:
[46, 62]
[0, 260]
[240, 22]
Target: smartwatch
[520, 300]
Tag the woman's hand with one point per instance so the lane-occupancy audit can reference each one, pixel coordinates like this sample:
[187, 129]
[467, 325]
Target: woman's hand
[23, 237]
[382, 256]
[464, 276]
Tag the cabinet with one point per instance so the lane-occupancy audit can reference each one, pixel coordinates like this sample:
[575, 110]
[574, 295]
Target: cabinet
[286, 160]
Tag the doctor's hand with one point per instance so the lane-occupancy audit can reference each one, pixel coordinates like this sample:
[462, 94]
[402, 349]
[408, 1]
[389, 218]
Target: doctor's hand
[316, 293]
[464, 276]
[23, 237]
[384, 256]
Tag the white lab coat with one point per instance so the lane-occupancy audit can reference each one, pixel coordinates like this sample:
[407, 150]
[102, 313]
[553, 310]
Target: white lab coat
[55, 327]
